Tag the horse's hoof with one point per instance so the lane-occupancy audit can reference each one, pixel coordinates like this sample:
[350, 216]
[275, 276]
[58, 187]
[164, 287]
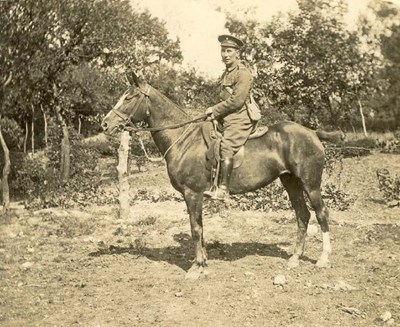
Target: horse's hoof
[293, 263]
[195, 272]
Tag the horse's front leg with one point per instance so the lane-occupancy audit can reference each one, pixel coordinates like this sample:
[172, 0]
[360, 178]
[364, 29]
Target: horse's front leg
[194, 203]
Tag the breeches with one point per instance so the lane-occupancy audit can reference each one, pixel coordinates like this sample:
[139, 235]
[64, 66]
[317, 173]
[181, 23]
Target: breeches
[235, 134]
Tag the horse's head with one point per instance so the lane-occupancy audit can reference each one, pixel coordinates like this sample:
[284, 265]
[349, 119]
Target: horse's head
[130, 108]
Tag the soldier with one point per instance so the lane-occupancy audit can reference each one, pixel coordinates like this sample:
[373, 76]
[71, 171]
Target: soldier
[231, 113]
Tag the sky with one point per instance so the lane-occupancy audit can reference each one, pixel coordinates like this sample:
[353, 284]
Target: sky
[198, 23]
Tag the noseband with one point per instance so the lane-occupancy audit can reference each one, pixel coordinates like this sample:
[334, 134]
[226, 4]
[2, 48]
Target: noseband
[127, 118]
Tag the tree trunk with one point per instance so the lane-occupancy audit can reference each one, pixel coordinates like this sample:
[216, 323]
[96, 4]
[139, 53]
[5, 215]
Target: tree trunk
[122, 168]
[331, 110]
[65, 160]
[46, 133]
[26, 135]
[6, 172]
[33, 129]
[362, 117]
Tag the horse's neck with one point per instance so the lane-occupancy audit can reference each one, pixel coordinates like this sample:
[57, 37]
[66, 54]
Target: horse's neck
[165, 113]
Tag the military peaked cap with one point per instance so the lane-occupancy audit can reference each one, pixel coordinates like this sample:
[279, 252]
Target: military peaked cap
[230, 41]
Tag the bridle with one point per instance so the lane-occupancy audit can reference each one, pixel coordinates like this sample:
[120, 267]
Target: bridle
[127, 117]
[127, 125]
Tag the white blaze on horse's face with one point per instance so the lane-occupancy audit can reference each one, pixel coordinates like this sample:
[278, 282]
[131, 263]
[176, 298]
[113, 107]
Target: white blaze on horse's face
[121, 100]
[111, 120]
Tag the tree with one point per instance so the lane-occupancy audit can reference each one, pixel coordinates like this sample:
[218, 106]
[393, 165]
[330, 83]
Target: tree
[18, 35]
[387, 104]
[311, 66]
[48, 42]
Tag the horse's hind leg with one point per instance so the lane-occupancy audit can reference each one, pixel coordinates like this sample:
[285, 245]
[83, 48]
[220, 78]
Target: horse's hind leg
[294, 188]
[322, 213]
[194, 203]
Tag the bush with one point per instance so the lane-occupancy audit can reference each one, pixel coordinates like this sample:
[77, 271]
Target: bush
[337, 199]
[366, 142]
[104, 146]
[271, 197]
[83, 158]
[390, 187]
[37, 177]
[33, 177]
[12, 133]
[390, 145]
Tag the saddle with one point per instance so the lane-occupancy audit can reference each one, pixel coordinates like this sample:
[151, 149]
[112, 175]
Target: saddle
[213, 140]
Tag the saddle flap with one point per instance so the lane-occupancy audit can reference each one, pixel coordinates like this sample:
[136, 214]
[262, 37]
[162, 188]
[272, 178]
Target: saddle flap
[213, 142]
[258, 132]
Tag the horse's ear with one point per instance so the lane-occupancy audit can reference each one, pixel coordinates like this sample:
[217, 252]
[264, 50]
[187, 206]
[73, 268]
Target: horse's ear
[134, 79]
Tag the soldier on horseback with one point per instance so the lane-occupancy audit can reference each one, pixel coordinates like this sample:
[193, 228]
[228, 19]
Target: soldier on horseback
[231, 113]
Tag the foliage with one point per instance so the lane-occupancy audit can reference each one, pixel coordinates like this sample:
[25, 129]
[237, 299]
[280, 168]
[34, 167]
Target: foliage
[309, 64]
[73, 53]
[32, 177]
[37, 179]
[12, 133]
[386, 23]
[84, 158]
[389, 186]
[271, 197]
[392, 145]
[89, 91]
[336, 198]
[365, 142]
[108, 148]
[78, 192]
[333, 157]
[200, 93]
[146, 195]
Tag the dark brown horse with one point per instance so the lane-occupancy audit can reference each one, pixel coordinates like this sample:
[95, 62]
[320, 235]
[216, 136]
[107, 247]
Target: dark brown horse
[288, 151]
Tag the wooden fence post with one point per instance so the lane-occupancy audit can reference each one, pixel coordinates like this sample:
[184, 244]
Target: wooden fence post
[123, 174]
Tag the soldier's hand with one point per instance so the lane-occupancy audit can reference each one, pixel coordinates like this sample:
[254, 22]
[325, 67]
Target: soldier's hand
[209, 113]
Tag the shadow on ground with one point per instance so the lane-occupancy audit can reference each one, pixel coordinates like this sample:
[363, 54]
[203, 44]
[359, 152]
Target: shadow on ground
[182, 255]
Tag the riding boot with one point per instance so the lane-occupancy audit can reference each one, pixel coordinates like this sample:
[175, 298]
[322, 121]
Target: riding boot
[222, 192]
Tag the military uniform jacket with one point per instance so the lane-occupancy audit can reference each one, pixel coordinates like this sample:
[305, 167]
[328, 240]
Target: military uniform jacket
[235, 85]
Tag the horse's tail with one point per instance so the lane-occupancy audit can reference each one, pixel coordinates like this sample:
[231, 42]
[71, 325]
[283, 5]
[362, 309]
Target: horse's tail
[334, 137]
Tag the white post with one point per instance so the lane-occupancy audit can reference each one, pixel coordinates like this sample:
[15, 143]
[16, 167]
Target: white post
[362, 118]
[123, 174]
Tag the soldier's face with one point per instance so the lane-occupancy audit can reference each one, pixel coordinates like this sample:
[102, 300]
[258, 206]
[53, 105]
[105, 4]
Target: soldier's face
[229, 55]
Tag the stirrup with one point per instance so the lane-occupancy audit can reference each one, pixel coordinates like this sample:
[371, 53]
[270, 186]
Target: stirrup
[218, 193]
[210, 193]
[222, 193]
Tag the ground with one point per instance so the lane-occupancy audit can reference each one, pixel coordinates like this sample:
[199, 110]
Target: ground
[86, 267]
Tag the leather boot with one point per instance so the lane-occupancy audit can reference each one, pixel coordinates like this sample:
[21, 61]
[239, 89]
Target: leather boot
[222, 192]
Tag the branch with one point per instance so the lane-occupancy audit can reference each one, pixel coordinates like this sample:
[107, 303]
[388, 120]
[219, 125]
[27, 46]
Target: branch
[8, 80]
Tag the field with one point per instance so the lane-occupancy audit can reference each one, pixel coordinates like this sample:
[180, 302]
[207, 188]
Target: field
[86, 267]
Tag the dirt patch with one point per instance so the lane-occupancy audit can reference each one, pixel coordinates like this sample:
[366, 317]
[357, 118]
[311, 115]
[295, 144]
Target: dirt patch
[88, 268]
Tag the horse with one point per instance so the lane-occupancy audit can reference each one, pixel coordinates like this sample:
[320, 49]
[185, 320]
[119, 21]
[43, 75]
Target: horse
[288, 151]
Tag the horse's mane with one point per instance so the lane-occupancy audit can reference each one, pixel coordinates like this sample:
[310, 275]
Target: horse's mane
[164, 97]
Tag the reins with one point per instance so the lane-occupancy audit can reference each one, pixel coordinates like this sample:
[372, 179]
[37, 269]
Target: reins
[162, 128]
[136, 130]
[166, 152]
